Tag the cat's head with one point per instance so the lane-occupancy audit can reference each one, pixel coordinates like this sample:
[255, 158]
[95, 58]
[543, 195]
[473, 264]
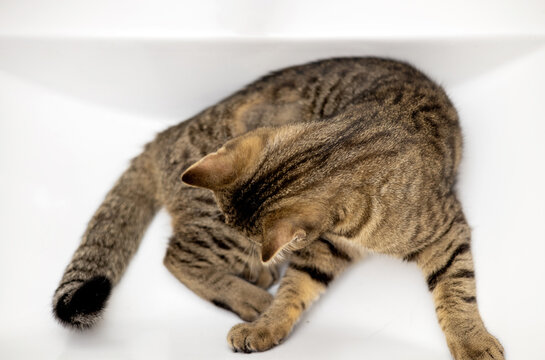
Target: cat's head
[269, 185]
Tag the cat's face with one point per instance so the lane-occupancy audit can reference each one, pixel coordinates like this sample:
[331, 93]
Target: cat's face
[263, 189]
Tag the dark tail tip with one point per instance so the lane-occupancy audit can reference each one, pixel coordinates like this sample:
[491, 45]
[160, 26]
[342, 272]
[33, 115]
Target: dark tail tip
[82, 307]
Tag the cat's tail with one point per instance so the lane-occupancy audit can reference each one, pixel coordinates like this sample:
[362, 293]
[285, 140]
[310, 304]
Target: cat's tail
[111, 239]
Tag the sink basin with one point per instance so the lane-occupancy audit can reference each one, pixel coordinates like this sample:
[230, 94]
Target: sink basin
[82, 90]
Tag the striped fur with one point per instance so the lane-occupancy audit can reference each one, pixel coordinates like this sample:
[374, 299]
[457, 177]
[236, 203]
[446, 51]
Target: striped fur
[313, 165]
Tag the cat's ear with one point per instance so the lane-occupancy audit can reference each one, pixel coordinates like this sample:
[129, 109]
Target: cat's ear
[222, 167]
[211, 172]
[279, 236]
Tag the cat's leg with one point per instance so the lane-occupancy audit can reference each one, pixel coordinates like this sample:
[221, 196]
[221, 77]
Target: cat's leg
[218, 286]
[307, 276]
[448, 267]
[214, 263]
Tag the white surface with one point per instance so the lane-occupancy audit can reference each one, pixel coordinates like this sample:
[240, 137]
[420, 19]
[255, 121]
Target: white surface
[279, 18]
[74, 110]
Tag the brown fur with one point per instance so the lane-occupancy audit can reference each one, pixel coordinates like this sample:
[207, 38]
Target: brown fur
[314, 164]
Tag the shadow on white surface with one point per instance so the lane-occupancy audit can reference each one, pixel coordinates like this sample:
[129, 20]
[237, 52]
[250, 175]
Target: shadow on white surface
[169, 79]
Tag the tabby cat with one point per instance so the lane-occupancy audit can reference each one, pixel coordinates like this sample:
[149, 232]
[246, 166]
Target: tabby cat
[312, 165]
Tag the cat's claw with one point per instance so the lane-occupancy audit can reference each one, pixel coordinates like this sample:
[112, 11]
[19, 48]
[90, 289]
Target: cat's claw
[254, 337]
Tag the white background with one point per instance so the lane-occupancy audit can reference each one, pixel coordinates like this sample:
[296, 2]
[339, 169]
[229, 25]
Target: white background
[83, 85]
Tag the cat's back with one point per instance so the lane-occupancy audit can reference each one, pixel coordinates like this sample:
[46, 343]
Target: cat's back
[377, 105]
[366, 90]
[365, 93]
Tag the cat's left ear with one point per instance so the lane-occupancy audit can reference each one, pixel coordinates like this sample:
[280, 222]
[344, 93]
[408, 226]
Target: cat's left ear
[222, 167]
[278, 237]
[211, 172]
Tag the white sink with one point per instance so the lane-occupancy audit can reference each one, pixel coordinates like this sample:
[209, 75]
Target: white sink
[82, 89]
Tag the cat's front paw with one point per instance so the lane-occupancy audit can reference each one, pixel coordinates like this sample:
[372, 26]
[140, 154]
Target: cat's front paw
[255, 337]
[484, 347]
[268, 276]
[249, 308]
